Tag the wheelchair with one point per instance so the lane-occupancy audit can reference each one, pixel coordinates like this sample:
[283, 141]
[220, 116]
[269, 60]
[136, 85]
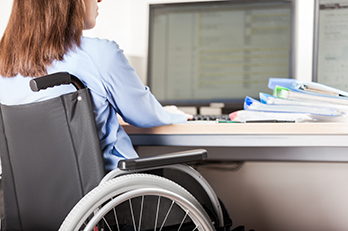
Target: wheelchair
[54, 177]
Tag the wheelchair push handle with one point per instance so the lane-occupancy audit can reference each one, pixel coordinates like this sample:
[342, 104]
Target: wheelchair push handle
[55, 79]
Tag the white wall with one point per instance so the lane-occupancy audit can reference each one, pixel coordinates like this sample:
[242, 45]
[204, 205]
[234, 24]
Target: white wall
[304, 39]
[5, 11]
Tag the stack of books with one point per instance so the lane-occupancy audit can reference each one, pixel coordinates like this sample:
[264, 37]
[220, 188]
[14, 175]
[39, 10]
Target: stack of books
[295, 101]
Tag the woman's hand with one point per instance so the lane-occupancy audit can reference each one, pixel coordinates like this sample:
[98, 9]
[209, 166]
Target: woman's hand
[174, 109]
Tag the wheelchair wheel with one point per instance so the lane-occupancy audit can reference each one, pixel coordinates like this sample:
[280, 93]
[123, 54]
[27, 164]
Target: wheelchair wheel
[138, 202]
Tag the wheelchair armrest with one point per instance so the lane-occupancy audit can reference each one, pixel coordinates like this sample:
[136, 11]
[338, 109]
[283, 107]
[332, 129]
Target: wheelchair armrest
[162, 160]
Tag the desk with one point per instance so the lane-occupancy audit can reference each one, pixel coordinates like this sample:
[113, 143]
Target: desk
[271, 195]
[253, 142]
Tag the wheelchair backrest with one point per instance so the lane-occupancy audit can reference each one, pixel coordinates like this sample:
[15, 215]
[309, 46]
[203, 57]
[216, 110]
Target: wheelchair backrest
[51, 158]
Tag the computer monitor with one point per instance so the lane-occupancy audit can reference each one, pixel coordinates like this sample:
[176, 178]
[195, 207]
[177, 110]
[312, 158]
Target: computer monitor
[218, 51]
[330, 62]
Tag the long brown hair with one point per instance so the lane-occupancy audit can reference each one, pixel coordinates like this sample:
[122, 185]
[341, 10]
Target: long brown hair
[39, 32]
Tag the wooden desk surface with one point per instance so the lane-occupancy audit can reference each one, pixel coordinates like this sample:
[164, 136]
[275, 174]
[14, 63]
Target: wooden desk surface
[252, 141]
[244, 128]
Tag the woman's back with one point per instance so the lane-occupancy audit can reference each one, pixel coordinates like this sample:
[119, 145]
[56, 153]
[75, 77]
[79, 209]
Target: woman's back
[115, 89]
[45, 37]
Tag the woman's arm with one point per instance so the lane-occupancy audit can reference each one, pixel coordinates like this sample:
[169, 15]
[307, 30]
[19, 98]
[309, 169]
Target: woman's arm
[128, 95]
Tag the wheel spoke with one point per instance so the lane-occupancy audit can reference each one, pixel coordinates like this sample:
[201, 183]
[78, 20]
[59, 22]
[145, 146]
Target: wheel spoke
[165, 219]
[107, 224]
[157, 211]
[116, 219]
[131, 208]
[182, 222]
[141, 212]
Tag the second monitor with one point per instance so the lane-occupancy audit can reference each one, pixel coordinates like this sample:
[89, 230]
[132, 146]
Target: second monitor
[218, 51]
[330, 63]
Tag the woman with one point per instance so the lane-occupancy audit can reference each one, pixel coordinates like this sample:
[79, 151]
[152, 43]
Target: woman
[44, 37]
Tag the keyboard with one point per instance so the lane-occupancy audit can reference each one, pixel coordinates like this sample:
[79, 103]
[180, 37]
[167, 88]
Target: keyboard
[210, 117]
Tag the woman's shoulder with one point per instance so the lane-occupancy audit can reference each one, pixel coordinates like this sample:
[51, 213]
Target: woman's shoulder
[98, 44]
[101, 51]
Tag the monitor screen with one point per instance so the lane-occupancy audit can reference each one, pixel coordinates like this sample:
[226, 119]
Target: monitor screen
[330, 63]
[218, 51]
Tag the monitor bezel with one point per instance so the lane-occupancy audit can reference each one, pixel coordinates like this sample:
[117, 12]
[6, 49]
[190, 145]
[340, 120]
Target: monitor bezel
[315, 41]
[230, 104]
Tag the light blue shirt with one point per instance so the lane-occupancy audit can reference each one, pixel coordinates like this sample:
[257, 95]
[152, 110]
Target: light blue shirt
[115, 89]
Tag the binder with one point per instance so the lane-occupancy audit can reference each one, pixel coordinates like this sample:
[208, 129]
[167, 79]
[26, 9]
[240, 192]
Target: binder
[308, 87]
[287, 93]
[295, 101]
[269, 99]
[255, 105]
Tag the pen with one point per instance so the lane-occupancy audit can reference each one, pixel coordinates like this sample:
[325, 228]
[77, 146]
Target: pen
[226, 121]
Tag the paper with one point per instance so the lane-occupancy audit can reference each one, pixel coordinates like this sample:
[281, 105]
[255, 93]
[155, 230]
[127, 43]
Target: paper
[246, 115]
